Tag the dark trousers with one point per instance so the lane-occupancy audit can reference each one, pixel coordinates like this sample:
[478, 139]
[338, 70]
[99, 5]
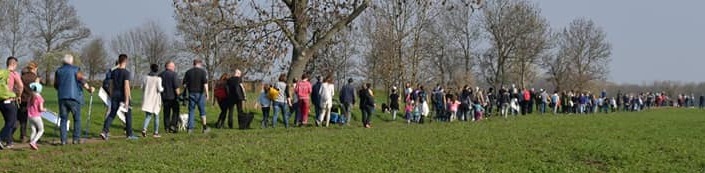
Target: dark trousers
[171, 114]
[265, 116]
[238, 107]
[366, 114]
[9, 113]
[225, 109]
[531, 107]
[21, 124]
[113, 112]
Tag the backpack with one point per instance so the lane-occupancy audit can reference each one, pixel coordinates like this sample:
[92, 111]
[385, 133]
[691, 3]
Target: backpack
[220, 93]
[422, 96]
[108, 82]
[273, 93]
[438, 97]
[5, 91]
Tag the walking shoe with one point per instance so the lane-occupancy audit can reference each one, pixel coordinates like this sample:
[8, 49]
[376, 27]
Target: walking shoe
[2, 147]
[156, 135]
[76, 142]
[132, 138]
[104, 136]
[144, 133]
[190, 131]
[206, 130]
[9, 146]
[33, 146]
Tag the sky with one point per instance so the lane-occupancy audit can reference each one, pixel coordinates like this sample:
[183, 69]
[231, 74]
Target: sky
[651, 40]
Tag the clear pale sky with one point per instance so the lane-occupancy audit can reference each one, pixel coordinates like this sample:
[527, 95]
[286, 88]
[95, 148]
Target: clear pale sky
[652, 40]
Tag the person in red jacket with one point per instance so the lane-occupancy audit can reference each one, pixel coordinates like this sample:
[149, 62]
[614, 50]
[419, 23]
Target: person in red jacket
[303, 91]
[526, 97]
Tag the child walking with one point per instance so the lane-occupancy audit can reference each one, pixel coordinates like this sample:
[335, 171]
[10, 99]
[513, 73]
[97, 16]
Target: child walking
[265, 103]
[453, 105]
[478, 111]
[34, 110]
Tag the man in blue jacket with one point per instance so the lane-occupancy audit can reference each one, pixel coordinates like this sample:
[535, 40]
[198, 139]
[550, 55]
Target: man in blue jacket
[69, 83]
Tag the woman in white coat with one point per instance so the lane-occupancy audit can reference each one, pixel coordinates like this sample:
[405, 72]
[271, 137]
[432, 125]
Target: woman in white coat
[326, 92]
[152, 99]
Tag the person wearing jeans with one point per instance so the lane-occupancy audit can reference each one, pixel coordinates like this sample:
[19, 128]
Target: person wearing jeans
[152, 100]
[282, 102]
[265, 103]
[196, 82]
[347, 99]
[8, 107]
[119, 99]
[68, 83]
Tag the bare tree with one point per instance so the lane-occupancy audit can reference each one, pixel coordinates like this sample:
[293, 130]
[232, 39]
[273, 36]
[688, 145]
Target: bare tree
[585, 45]
[294, 19]
[94, 58]
[507, 23]
[56, 27]
[145, 45]
[14, 32]
[531, 45]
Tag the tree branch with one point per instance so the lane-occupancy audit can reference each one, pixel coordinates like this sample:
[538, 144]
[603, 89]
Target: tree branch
[339, 26]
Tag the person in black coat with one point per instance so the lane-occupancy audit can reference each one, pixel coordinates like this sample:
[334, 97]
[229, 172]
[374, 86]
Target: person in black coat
[236, 95]
[367, 104]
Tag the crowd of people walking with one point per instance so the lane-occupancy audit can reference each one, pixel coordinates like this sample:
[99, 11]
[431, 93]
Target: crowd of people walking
[23, 103]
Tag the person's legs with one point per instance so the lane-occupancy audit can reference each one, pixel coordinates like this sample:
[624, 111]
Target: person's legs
[346, 111]
[148, 117]
[63, 116]
[37, 129]
[21, 121]
[156, 123]
[305, 106]
[166, 105]
[128, 122]
[238, 105]
[223, 111]
[202, 110]
[175, 117]
[193, 100]
[277, 108]
[109, 120]
[75, 109]
[265, 116]
[9, 113]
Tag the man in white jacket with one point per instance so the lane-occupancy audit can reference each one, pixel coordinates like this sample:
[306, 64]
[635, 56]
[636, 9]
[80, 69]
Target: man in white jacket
[326, 94]
[152, 99]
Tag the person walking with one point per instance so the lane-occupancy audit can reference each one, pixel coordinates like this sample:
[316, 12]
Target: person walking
[120, 98]
[326, 93]
[367, 104]
[236, 93]
[13, 87]
[29, 76]
[196, 83]
[347, 99]
[394, 103]
[265, 103]
[282, 102]
[34, 109]
[152, 100]
[221, 93]
[169, 96]
[69, 83]
[303, 92]
[316, 98]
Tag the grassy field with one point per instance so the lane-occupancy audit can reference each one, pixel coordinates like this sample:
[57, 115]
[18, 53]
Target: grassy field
[665, 140]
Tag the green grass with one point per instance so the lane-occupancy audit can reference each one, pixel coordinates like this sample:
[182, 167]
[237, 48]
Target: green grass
[665, 140]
